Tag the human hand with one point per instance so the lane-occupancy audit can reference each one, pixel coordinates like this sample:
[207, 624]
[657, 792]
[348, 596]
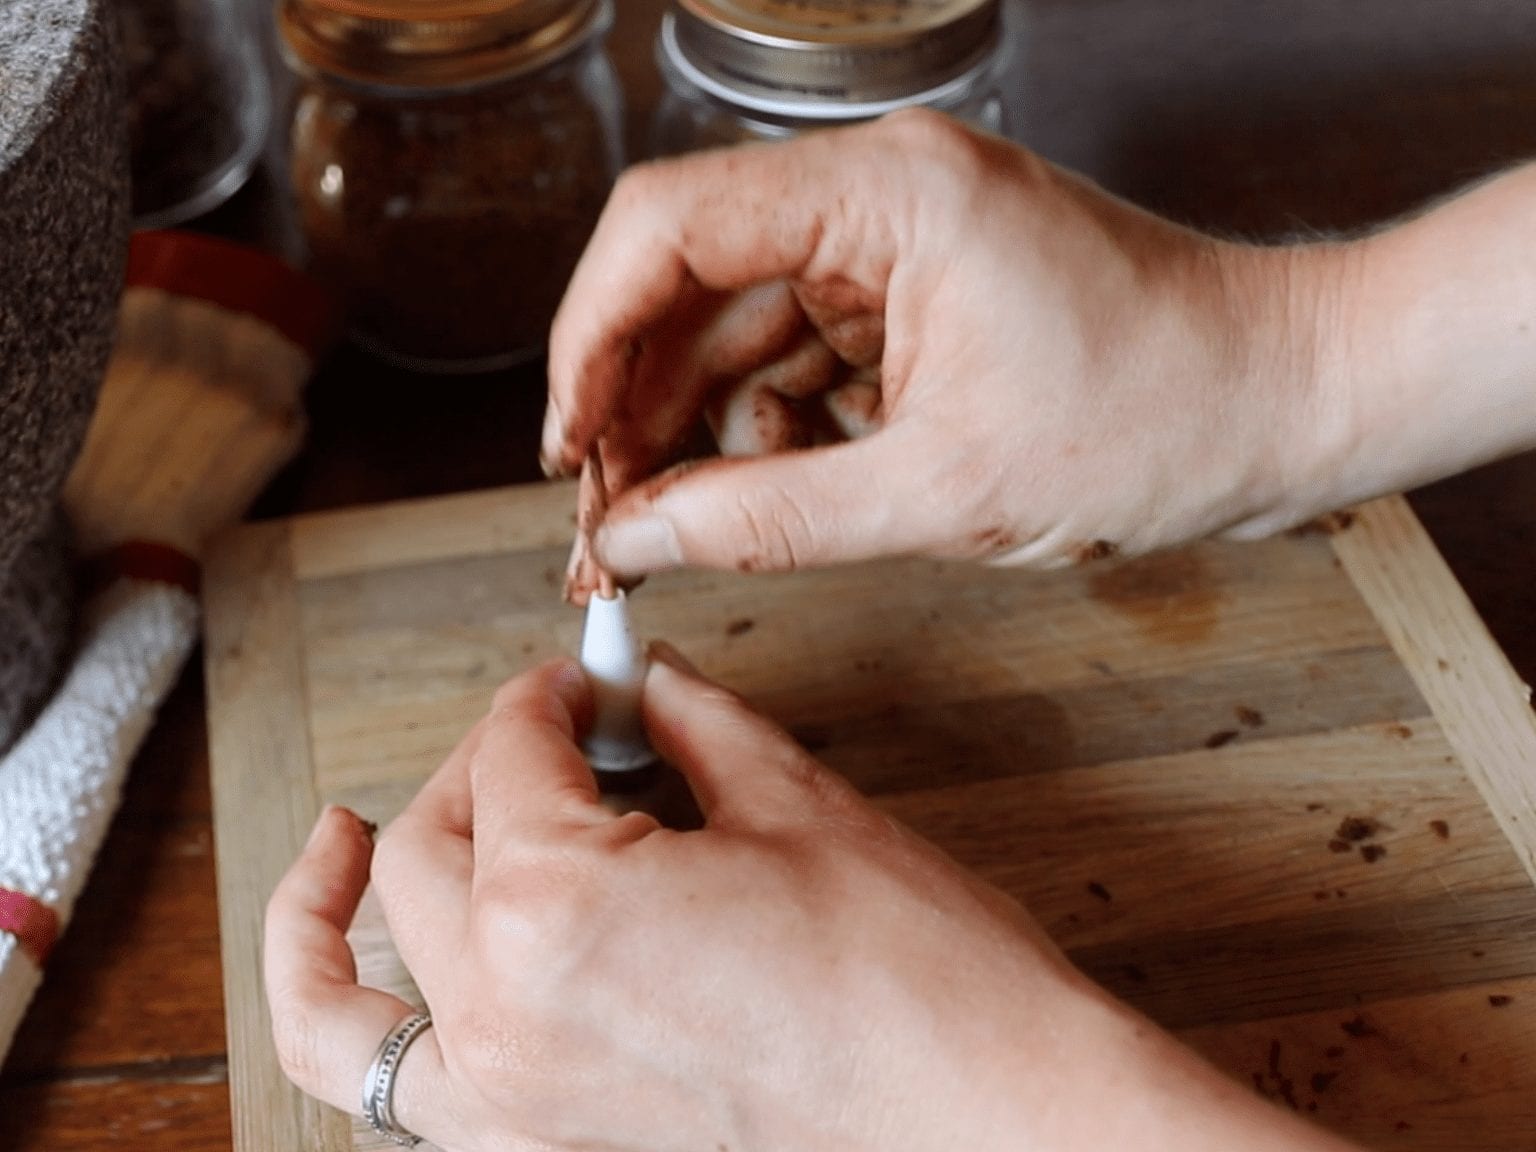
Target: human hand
[801, 973]
[1049, 374]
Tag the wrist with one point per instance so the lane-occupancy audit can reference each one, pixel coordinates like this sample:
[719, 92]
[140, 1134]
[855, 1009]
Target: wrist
[1293, 313]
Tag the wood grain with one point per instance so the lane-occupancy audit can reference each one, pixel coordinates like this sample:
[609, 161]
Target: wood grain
[1474, 692]
[1214, 775]
[265, 805]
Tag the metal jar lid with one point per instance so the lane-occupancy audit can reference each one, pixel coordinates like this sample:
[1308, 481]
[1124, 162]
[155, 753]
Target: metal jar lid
[825, 59]
[435, 43]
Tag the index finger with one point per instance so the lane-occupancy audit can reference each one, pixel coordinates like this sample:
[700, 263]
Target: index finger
[725, 220]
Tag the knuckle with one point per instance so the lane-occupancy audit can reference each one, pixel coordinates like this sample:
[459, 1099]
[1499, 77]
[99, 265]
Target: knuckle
[775, 535]
[930, 136]
[296, 1039]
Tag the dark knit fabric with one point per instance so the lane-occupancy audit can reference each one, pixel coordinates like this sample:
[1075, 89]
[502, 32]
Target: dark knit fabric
[35, 628]
[63, 232]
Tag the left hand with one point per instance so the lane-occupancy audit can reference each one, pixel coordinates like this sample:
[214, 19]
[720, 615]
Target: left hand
[801, 973]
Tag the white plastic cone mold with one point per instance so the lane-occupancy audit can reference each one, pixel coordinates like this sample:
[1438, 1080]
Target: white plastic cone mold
[615, 664]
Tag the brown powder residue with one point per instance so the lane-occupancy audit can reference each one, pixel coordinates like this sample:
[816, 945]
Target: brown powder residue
[1171, 597]
[1095, 550]
[1327, 525]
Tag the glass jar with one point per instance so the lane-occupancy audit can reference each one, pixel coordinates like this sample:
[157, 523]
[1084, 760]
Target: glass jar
[740, 70]
[449, 161]
[198, 105]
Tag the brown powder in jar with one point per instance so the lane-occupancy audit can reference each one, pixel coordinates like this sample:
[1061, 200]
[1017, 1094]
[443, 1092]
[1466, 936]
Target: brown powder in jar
[451, 223]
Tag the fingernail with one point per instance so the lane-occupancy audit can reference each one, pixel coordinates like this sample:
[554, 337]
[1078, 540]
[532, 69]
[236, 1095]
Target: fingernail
[664, 653]
[638, 544]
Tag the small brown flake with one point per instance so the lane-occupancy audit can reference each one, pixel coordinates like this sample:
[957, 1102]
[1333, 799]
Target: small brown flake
[1315, 807]
[1358, 1028]
[740, 627]
[1372, 852]
[1356, 828]
[1097, 550]
[1222, 738]
[1500, 1001]
[1478, 953]
[1340, 846]
[1440, 828]
[1100, 891]
[1321, 1081]
[1249, 717]
[1400, 731]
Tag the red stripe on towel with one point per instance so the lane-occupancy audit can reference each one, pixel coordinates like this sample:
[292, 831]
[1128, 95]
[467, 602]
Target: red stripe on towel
[33, 923]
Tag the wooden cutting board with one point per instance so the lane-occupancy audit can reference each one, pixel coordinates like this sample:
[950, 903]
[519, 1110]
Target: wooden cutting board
[1282, 796]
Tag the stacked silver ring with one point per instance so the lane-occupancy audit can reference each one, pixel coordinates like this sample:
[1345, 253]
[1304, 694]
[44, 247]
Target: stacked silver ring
[379, 1084]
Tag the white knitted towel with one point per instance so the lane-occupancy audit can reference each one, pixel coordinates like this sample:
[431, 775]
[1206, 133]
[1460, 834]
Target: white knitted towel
[61, 782]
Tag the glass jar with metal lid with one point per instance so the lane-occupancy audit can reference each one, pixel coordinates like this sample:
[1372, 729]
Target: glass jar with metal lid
[740, 70]
[449, 161]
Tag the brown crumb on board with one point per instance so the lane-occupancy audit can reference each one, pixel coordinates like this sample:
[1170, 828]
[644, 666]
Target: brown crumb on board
[1340, 846]
[1322, 1080]
[1400, 731]
[1249, 717]
[1499, 1001]
[1356, 828]
[740, 627]
[1440, 828]
[1221, 739]
[1372, 852]
[1100, 891]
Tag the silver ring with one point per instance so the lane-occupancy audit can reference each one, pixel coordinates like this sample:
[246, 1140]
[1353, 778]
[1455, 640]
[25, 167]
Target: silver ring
[379, 1084]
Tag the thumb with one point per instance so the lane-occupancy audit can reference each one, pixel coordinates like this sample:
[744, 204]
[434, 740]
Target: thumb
[777, 513]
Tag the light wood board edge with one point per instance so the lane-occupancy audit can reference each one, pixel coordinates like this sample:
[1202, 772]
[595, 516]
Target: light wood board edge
[264, 807]
[516, 519]
[1474, 692]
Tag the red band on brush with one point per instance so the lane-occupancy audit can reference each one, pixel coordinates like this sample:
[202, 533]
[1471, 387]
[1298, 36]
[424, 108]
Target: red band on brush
[142, 560]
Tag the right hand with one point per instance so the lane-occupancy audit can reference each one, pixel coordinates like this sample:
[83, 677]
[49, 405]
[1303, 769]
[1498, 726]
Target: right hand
[1060, 375]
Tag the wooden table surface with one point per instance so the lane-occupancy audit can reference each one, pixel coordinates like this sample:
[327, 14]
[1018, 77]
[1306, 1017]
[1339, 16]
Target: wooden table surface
[1253, 119]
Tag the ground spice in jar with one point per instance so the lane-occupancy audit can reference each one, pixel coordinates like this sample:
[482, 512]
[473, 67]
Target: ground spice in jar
[449, 221]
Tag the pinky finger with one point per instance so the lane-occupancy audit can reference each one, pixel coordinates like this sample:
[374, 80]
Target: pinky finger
[326, 1026]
